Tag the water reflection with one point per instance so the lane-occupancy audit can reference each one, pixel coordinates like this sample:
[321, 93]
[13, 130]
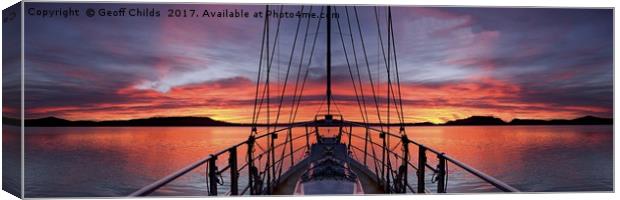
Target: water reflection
[11, 159]
[117, 161]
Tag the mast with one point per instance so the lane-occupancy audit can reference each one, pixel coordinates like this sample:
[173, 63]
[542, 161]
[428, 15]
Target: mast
[329, 61]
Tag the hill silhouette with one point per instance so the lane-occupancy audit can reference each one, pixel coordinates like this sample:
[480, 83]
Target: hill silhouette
[477, 120]
[490, 120]
[153, 121]
[587, 120]
[206, 121]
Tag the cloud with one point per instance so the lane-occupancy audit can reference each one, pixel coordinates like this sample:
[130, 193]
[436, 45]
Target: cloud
[453, 62]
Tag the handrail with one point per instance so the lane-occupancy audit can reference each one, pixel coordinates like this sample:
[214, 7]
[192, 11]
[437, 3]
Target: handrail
[148, 189]
[386, 134]
[374, 143]
[258, 156]
[487, 178]
[161, 182]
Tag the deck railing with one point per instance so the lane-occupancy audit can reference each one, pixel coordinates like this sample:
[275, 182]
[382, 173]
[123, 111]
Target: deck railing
[395, 179]
[264, 169]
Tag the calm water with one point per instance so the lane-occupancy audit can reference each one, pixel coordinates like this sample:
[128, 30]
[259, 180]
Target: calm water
[117, 161]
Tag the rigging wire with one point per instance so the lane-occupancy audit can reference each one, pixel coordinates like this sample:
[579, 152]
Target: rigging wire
[298, 93]
[303, 50]
[400, 97]
[290, 61]
[359, 77]
[388, 67]
[303, 85]
[296, 101]
[266, 91]
[386, 138]
[260, 63]
[286, 82]
[368, 68]
[349, 67]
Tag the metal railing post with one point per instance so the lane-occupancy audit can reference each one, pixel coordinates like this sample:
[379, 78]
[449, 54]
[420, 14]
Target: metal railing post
[268, 165]
[350, 133]
[212, 176]
[256, 178]
[271, 175]
[316, 132]
[405, 164]
[441, 174]
[234, 174]
[366, 147]
[421, 168]
[290, 134]
[386, 186]
[251, 163]
[307, 140]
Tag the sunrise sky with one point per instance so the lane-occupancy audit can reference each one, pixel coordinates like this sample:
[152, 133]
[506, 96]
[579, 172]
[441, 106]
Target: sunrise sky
[454, 63]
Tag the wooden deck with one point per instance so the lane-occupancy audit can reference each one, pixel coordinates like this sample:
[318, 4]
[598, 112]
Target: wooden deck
[290, 178]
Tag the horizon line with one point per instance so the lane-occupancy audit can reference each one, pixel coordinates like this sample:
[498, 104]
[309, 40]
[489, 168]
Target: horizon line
[395, 123]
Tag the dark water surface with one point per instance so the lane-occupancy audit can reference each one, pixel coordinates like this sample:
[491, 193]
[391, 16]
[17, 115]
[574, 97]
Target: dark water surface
[11, 160]
[104, 161]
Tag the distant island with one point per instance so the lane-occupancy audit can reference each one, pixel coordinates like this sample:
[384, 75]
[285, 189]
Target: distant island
[206, 121]
[489, 120]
